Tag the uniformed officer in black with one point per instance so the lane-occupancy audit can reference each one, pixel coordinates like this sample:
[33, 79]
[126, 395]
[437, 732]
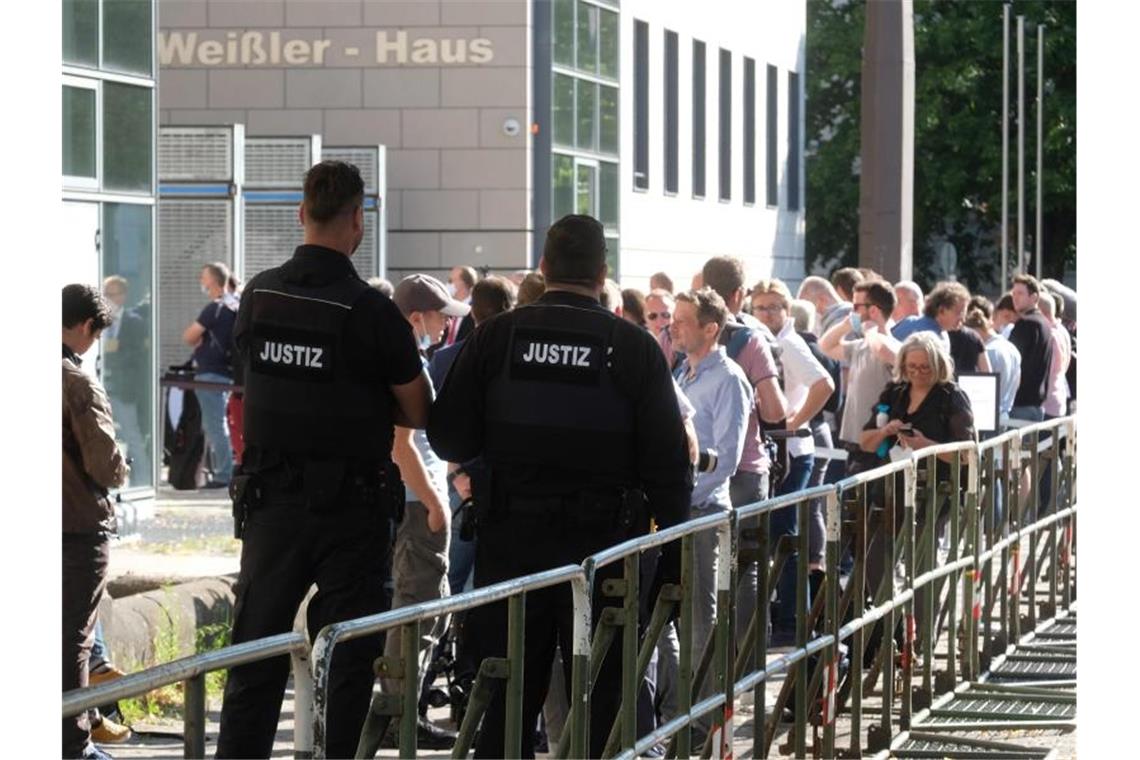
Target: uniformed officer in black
[330, 365]
[575, 414]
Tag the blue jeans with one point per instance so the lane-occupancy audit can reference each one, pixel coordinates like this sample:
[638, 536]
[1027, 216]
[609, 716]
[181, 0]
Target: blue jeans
[785, 522]
[213, 404]
[461, 554]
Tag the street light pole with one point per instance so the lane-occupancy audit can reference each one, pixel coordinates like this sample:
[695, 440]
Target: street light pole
[1040, 111]
[1004, 146]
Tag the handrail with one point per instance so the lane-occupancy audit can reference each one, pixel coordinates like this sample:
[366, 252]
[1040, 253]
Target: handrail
[182, 669]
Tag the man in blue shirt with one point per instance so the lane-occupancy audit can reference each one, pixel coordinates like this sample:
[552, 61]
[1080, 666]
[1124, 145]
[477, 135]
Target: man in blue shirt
[211, 335]
[722, 397]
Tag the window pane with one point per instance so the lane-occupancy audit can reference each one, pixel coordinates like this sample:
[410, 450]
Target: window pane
[128, 131]
[640, 105]
[78, 132]
[770, 175]
[562, 173]
[127, 343]
[608, 194]
[670, 101]
[563, 110]
[749, 130]
[698, 119]
[564, 32]
[587, 37]
[725, 168]
[608, 107]
[613, 257]
[81, 32]
[587, 192]
[587, 115]
[608, 45]
[793, 141]
[128, 36]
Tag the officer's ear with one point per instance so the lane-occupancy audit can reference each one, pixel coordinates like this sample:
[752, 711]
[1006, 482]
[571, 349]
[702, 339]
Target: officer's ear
[301, 213]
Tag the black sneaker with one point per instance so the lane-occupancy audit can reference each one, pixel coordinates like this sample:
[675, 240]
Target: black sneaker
[431, 736]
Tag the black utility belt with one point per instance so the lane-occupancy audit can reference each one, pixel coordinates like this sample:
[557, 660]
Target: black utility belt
[618, 507]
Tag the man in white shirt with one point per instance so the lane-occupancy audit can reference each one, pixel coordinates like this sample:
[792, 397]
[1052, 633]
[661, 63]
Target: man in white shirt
[807, 386]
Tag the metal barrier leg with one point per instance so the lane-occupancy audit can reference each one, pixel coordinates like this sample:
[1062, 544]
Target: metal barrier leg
[910, 486]
[858, 583]
[1031, 560]
[194, 717]
[482, 690]
[831, 675]
[409, 653]
[579, 729]
[954, 577]
[930, 546]
[802, 585]
[760, 653]
[684, 738]
[516, 628]
[302, 705]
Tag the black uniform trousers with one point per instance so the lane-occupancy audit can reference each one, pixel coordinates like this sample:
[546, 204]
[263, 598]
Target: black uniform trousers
[520, 545]
[285, 549]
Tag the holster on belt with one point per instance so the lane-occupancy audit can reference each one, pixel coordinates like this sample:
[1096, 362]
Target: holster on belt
[245, 494]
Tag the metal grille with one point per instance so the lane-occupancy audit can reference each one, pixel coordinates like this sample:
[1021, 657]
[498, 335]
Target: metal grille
[1061, 628]
[191, 233]
[364, 159]
[365, 257]
[925, 745]
[278, 162]
[1032, 668]
[271, 235]
[195, 154]
[1005, 708]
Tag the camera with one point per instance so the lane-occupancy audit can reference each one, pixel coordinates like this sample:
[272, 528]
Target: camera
[706, 462]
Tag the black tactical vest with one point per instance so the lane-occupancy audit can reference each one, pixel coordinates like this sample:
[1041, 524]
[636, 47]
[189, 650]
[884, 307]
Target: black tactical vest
[304, 394]
[554, 397]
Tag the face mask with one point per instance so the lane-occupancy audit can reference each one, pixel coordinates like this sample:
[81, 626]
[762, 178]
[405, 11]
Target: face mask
[451, 289]
[425, 342]
[205, 290]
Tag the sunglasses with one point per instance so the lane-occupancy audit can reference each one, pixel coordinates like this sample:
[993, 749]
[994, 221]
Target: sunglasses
[663, 315]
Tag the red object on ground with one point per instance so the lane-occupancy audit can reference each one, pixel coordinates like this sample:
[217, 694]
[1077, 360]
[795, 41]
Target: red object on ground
[233, 420]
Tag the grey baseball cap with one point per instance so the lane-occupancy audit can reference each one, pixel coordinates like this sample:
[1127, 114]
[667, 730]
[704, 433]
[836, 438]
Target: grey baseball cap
[421, 292]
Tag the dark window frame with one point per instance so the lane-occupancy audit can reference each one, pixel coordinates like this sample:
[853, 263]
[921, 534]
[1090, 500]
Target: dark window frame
[749, 132]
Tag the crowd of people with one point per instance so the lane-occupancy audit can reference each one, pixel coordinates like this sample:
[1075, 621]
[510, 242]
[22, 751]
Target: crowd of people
[775, 393]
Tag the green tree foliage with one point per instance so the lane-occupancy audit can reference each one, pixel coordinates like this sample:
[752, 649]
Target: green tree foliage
[957, 124]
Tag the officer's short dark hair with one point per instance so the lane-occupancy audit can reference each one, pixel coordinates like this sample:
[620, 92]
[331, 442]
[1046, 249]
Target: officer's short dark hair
[468, 275]
[724, 274]
[490, 296]
[846, 279]
[332, 188]
[1005, 303]
[575, 250]
[83, 302]
[879, 294]
[710, 306]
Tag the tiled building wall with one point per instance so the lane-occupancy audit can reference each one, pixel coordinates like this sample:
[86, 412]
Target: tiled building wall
[458, 185]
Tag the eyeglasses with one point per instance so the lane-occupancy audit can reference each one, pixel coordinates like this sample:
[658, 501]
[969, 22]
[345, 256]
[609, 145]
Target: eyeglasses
[770, 309]
[654, 315]
[860, 305]
[923, 369]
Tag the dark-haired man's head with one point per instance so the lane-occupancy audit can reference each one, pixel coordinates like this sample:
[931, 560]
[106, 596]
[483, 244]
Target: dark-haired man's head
[697, 321]
[660, 281]
[1005, 312]
[725, 275]
[874, 300]
[332, 211]
[844, 280]
[462, 279]
[1026, 290]
[85, 314]
[490, 296]
[574, 256]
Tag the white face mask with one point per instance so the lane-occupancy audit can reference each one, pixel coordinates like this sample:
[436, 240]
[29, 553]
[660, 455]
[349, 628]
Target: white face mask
[451, 289]
[205, 290]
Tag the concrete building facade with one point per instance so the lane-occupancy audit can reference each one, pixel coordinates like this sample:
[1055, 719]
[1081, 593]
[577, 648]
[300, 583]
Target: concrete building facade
[501, 116]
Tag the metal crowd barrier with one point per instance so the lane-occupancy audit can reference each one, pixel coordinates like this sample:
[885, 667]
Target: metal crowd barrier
[191, 672]
[984, 591]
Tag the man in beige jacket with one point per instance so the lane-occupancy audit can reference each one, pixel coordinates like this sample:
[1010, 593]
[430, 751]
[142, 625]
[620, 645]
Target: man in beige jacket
[92, 464]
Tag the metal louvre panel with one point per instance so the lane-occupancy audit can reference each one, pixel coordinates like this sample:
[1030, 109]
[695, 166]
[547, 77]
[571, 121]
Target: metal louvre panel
[191, 234]
[277, 161]
[272, 233]
[365, 257]
[364, 159]
[195, 154]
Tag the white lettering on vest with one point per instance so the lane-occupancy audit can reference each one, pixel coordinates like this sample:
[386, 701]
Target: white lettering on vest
[547, 353]
[292, 354]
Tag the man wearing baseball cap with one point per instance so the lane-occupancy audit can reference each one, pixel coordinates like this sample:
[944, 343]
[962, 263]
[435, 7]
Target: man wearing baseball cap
[419, 555]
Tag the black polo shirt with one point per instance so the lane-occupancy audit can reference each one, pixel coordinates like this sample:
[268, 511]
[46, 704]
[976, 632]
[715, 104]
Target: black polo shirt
[1031, 336]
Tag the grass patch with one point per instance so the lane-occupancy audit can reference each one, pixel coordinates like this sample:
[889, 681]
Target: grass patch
[220, 545]
[165, 705]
